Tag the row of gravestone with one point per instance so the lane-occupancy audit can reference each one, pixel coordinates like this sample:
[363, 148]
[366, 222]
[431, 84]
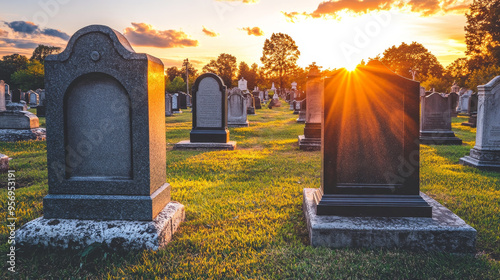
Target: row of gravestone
[106, 154]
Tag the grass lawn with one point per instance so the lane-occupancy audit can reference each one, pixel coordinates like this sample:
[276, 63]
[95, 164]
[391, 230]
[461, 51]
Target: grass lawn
[244, 217]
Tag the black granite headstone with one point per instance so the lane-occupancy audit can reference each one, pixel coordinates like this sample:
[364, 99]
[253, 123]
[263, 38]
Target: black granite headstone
[16, 96]
[370, 147]
[209, 110]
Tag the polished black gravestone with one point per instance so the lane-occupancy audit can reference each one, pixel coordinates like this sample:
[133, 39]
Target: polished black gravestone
[209, 116]
[106, 147]
[369, 195]
[435, 121]
[370, 145]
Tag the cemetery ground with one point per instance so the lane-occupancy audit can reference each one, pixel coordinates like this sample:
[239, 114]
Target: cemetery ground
[244, 214]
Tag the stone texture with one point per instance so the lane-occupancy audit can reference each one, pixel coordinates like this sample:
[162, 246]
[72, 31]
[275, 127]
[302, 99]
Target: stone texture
[168, 105]
[17, 106]
[4, 163]
[114, 234]
[444, 231]
[311, 140]
[109, 140]
[188, 145]
[14, 135]
[302, 112]
[237, 109]
[309, 144]
[435, 121]
[486, 153]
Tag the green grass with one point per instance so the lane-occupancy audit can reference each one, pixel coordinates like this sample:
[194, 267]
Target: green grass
[244, 217]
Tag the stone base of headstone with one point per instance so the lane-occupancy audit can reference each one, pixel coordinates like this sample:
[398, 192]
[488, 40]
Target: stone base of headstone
[177, 111]
[444, 232]
[439, 138]
[482, 160]
[188, 145]
[302, 117]
[238, 124]
[13, 106]
[41, 111]
[209, 136]
[4, 163]
[472, 121]
[13, 135]
[309, 144]
[292, 106]
[117, 235]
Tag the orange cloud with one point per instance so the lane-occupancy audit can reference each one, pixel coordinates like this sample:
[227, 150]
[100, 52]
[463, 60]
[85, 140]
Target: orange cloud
[209, 32]
[423, 7]
[256, 31]
[3, 33]
[142, 34]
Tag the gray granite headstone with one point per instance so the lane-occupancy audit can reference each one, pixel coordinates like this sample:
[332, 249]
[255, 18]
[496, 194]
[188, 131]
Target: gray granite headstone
[34, 99]
[486, 152]
[435, 121]
[168, 104]
[237, 109]
[105, 120]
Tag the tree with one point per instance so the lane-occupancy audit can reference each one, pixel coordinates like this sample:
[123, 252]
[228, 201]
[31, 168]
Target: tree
[438, 84]
[250, 74]
[30, 78]
[10, 64]
[279, 56]
[224, 67]
[177, 85]
[42, 51]
[173, 72]
[482, 33]
[458, 71]
[482, 76]
[415, 56]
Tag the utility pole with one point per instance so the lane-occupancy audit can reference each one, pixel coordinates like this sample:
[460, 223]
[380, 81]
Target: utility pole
[186, 61]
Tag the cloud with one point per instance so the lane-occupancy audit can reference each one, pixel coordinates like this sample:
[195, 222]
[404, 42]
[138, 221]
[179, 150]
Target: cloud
[27, 27]
[17, 43]
[23, 27]
[142, 34]
[209, 32]
[256, 31]
[55, 33]
[3, 33]
[331, 8]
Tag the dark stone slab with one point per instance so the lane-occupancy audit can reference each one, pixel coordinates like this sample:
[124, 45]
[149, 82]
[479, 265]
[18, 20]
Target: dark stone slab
[18, 120]
[41, 111]
[370, 160]
[309, 144]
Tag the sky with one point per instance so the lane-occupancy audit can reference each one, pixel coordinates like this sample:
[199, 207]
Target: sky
[332, 33]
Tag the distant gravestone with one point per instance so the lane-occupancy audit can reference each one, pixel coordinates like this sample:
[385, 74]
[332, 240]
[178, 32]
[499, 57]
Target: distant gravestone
[175, 104]
[463, 102]
[106, 151]
[311, 140]
[250, 103]
[2, 96]
[34, 99]
[242, 84]
[302, 111]
[296, 107]
[182, 100]
[188, 100]
[209, 116]
[237, 109]
[16, 96]
[257, 103]
[168, 105]
[435, 121]
[294, 85]
[453, 103]
[8, 95]
[486, 153]
[370, 169]
[472, 111]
